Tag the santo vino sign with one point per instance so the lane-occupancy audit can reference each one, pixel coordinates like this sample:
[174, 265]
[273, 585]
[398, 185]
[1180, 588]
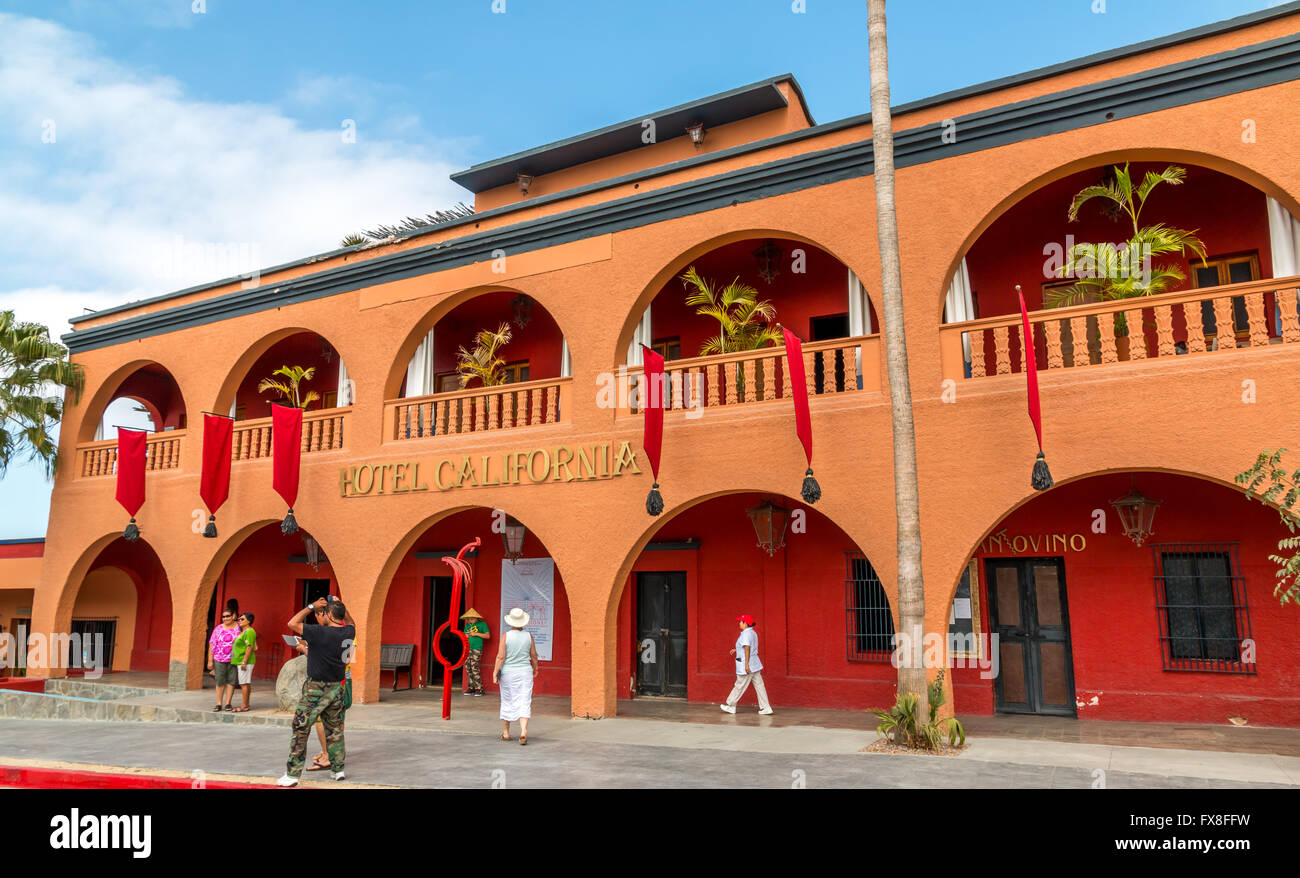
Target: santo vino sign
[565, 463]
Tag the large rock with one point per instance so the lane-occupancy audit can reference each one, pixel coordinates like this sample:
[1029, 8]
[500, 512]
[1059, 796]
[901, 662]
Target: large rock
[288, 686]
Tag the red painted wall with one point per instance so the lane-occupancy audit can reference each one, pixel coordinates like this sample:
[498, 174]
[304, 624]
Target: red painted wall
[797, 598]
[268, 584]
[159, 390]
[1228, 216]
[406, 609]
[303, 349]
[819, 291]
[1114, 626]
[153, 626]
[539, 342]
[35, 549]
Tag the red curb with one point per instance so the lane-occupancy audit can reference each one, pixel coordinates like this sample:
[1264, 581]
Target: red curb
[53, 779]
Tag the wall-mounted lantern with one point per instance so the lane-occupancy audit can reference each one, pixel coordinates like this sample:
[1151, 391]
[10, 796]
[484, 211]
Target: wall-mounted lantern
[768, 256]
[524, 181]
[1137, 513]
[770, 522]
[696, 131]
[513, 538]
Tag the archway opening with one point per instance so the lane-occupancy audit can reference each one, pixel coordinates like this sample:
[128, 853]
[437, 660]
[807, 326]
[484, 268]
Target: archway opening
[329, 382]
[418, 602]
[823, 618]
[1082, 621]
[1246, 237]
[147, 399]
[122, 615]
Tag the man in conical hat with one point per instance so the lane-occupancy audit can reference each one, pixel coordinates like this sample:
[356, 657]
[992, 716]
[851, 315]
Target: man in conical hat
[477, 631]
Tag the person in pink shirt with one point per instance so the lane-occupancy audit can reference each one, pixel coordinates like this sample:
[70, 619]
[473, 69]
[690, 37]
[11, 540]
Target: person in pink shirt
[219, 647]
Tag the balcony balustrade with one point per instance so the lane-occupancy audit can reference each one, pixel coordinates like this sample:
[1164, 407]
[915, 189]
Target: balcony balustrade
[321, 431]
[830, 367]
[1207, 320]
[479, 409]
[162, 452]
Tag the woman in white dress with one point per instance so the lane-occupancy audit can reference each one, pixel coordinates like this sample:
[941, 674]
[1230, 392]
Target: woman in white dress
[514, 670]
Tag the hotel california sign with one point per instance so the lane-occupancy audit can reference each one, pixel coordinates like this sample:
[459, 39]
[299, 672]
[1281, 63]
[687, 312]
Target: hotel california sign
[564, 463]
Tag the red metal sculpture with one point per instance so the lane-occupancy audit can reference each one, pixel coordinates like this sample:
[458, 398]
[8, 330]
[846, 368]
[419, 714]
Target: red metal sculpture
[460, 577]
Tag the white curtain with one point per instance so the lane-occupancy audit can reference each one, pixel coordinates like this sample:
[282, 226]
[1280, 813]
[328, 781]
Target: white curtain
[959, 306]
[1284, 241]
[859, 316]
[566, 360]
[640, 336]
[419, 373]
[344, 395]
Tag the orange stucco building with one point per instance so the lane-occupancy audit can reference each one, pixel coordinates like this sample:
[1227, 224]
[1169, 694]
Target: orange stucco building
[400, 465]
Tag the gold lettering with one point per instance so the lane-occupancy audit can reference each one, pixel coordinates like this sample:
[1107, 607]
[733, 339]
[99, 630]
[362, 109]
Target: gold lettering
[437, 475]
[346, 475]
[370, 479]
[417, 484]
[546, 465]
[520, 460]
[1033, 541]
[563, 456]
[399, 476]
[1083, 542]
[1018, 544]
[602, 462]
[487, 471]
[586, 462]
[626, 457]
[380, 468]
[1057, 540]
[467, 472]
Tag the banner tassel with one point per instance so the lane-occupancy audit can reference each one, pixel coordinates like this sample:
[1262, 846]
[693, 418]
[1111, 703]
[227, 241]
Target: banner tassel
[1042, 477]
[654, 502]
[132, 533]
[812, 492]
[211, 530]
[290, 524]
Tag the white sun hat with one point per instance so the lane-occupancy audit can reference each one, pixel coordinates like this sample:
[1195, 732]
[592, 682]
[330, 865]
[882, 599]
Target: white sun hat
[517, 618]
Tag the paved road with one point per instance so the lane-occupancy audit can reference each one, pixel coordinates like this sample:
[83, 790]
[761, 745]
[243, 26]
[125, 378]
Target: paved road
[423, 759]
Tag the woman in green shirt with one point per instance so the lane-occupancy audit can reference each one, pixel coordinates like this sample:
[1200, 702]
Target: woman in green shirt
[243, 653]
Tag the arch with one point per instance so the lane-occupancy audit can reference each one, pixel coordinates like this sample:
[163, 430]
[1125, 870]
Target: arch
[108, 391]
[1241, 172]
[683, 260]
[416, 335]
[239, 370]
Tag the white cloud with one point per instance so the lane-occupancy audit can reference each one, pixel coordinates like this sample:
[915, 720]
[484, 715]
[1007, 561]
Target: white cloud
[145, 190]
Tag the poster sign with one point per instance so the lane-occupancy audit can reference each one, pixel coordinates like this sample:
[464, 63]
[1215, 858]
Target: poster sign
[529, 583]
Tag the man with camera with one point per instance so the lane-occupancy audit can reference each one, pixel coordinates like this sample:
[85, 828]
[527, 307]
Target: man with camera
[329, 650]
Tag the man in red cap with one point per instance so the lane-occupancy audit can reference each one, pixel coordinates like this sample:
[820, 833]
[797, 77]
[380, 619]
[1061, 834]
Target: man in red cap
[748, 668]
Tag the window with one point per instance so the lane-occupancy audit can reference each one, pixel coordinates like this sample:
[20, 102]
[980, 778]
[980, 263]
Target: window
[1221, 270]
[1201, 602]
[829, 326]
[668, 348]
[516, 372]
[870, 626]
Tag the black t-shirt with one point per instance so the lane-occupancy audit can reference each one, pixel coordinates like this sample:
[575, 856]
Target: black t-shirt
[326, 648]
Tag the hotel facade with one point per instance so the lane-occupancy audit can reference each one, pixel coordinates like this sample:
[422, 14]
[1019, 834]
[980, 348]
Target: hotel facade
[579, 246]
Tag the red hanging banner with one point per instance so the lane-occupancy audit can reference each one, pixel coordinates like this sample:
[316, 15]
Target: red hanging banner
[218, 433]
[131, 449]
[1041, 479]
[811, 492]
[651, 403]
[286, 455]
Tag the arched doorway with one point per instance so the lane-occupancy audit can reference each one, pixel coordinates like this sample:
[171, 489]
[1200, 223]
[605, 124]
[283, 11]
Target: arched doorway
[1082, 621]
[823, 617]
[418, 601]
[123, 611]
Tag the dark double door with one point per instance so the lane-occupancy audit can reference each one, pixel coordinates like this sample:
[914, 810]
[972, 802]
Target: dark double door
[439, 611]
[1028, 612]
[661, 634]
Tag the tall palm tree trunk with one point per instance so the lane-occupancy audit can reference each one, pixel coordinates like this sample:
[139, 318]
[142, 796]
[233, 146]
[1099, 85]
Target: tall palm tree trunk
[911, 585]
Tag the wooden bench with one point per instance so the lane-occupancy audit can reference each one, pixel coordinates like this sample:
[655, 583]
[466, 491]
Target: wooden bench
[396, 657]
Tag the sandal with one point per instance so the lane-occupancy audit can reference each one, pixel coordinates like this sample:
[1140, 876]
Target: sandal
[229, 709]
[241, 710]
[217, 709]
[523, 739]
[505, 737]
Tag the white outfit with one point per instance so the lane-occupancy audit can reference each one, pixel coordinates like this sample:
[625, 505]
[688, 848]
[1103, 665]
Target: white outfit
[516, 676]
[748, 637]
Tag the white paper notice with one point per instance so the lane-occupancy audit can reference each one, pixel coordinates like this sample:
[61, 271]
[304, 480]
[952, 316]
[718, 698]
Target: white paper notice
[961, 608]
[529, 584]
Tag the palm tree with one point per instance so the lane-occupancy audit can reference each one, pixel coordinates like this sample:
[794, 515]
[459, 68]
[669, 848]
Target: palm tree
[483, 362]
[737, 310]
[31, 366]
[290, 388]
[1110, 270]
[911, 584]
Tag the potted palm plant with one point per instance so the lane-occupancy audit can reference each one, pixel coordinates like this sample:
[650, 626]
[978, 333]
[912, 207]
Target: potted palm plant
[484, 361]
[290, 389]
[744, 322]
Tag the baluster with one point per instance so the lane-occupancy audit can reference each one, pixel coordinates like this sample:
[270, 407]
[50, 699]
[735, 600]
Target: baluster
[494, 411]
[786, 389]
[1225, 332]
[976, 353]
[1106, 326]
[849, 356]
[1286, 305]
[338, 431]
[1137, 334]
[729, 369]
[1079, 341]
[91, 463]
[521, 408]
[1052, 333]
[436, 417]
[1164, 330]
[480, 412]
[769, 377]
[810, 372]
[1001, 345]
[536, 408]
[1195, 327]
[747, 380]
[711, 378]
[552, 403]
[1255, 316]
[316, 431]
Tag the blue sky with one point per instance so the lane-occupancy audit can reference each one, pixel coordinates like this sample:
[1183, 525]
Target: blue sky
[133, 130]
